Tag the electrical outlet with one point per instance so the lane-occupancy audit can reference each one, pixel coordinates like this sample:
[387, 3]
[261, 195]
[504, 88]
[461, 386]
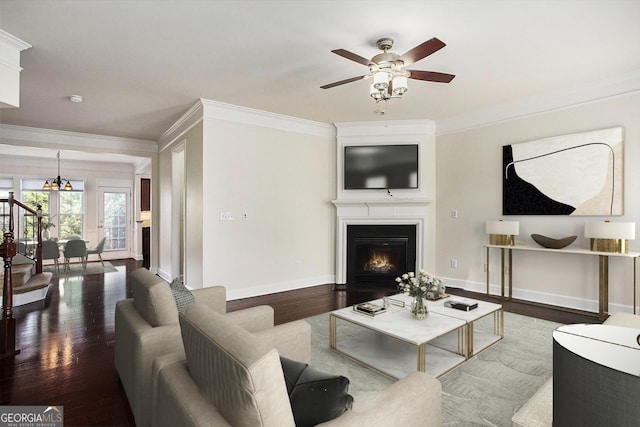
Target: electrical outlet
[244, 216]
[454, 263]
[226, 216]
[454, 214]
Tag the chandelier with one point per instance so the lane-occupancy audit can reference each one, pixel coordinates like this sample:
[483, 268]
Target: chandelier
[55, 184]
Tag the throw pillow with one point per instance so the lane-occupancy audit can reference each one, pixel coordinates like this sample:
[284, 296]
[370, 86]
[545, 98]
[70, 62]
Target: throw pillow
[315, 396]
[181, 294]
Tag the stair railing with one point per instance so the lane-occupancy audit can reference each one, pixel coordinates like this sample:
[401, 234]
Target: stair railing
[8, 250]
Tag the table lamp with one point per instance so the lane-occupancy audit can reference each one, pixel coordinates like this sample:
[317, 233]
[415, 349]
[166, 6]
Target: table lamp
[502, 232]
[610, 236]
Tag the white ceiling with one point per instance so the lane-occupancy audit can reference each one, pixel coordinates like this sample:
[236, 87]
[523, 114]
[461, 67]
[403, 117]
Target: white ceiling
[141, 64]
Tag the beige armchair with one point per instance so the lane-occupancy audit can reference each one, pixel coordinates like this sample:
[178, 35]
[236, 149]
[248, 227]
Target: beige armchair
[146, 326]
[245, 387]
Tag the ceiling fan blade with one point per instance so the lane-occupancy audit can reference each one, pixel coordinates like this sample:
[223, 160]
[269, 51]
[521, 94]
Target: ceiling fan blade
[430, 76]
[422, 51]
[342, 82]
[352, 56]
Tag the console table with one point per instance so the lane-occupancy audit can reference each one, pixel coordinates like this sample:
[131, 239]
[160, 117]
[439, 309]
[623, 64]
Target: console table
[603, 269]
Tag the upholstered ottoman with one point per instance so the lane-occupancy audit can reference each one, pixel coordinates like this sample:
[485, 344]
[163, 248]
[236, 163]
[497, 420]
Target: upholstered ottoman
[538, 411]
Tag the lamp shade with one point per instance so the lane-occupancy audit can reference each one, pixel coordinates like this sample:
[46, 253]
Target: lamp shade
[381, 80]
[399, 85]
[610, 230]
[503, 227]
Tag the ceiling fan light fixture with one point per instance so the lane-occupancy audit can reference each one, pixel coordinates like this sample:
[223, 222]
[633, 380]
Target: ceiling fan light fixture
[399, 85]
[381, 80]
[375, 93]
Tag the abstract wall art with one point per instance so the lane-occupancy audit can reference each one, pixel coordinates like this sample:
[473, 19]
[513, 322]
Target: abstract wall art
[576, 174]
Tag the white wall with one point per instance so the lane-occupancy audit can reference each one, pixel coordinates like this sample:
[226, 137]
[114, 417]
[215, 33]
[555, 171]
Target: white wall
[279, 171]
[284, 182]
[469, 180]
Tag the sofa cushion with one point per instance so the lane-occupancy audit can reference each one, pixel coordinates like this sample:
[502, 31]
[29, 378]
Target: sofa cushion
[235, 371]
[181, 294]
[315, 396]
[153, 299]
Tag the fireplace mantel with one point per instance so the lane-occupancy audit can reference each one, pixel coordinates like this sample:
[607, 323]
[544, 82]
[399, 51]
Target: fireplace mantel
[386, 211]
[380, 202]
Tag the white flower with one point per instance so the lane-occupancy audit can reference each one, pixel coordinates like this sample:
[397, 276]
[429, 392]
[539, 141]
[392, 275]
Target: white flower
[410, 274]
[398, 279]
[405, 276]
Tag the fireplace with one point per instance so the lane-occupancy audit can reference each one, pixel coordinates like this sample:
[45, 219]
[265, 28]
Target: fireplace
[377, 254]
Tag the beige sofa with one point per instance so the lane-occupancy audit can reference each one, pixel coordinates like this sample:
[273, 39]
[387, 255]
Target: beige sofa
[538, 411]
[232, 377]
[146, 327]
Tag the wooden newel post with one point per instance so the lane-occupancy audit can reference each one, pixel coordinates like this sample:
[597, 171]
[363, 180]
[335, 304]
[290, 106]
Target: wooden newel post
[39, 244]
[8, 323]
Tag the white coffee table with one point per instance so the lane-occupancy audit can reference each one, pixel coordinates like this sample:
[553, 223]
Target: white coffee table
[396, 344]
[476, 340]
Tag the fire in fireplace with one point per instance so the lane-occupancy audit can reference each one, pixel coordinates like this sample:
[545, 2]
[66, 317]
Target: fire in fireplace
[379, 261]
[377, 254]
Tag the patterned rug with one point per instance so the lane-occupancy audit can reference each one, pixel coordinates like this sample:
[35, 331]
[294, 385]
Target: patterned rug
[486, 390]
[76, 269]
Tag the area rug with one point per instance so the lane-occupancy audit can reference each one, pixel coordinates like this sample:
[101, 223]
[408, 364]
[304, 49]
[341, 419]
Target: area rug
[76, 269]
[486, 390]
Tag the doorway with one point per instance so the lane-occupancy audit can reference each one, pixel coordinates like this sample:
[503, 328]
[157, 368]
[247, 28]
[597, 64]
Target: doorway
[114, 221]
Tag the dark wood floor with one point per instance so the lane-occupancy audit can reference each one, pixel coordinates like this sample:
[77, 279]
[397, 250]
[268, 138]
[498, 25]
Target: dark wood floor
[66, 344]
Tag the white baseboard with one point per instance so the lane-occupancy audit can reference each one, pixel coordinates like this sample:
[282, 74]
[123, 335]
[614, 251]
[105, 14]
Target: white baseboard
[537, 297]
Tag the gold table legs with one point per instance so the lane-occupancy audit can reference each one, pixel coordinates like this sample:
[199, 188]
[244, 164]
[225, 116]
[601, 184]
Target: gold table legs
[502, 273]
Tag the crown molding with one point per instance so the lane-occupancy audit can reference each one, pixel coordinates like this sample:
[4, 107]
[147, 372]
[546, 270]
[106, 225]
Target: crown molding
[253, 117]
[49, 138]
[624, 84]
[205, 108]
[13, 42]
[188, 120]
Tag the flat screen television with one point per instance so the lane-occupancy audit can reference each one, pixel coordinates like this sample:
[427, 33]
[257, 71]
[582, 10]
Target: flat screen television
[380, 167]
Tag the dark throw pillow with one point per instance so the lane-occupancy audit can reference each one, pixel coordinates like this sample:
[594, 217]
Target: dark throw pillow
[181, 294]
[315, 396]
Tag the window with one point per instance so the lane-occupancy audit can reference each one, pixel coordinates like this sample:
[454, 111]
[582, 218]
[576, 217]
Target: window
[71, 214]
[29, 221]
[63, 209]
[6, 186]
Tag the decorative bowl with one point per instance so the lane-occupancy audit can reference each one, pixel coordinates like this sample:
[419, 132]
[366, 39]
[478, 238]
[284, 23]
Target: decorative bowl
[551, 243]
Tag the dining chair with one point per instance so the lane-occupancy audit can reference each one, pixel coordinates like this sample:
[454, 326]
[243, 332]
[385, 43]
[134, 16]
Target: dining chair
[97, 250]
[51, 250]
[76, 248]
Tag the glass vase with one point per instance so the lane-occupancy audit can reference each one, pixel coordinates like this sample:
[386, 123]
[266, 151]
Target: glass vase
[419, 308]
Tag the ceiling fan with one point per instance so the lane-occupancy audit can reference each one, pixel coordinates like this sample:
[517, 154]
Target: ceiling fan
[387, 68]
